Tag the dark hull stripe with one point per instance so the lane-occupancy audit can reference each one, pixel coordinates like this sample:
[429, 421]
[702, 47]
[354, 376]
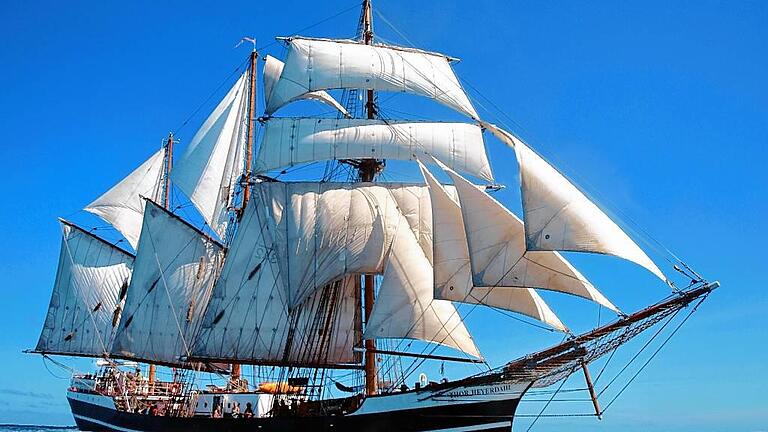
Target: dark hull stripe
[478, 416]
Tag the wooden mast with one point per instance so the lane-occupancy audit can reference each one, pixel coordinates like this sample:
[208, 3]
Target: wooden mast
[249, 130]
[167, 205]
[368, 169]
[236, 368]
[168, 166]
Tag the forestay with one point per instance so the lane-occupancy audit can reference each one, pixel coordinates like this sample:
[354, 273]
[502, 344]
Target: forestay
[173, 276]
[496, 240]
[321, 64]
[291, 141]
[453, 275]
[90, 285]
[559, 217]
[273, 68]
[248, 319]
[123, 206]
[405, 307]
[208, 170]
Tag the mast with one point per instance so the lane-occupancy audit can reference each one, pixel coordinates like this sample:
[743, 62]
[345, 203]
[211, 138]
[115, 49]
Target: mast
[236, 368]
[368, 169]
[167, 173]
[249, 133]
[166, 199]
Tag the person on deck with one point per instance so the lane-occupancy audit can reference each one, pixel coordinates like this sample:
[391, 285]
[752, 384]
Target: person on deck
[248, 410]
[236, 410]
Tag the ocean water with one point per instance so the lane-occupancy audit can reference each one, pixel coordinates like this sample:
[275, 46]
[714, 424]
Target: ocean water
[35, 428]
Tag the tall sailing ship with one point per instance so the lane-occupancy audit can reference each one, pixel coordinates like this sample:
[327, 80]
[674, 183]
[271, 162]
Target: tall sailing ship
[300, 280]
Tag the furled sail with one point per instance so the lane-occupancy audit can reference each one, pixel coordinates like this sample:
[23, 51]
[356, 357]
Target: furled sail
[273, 68]
[173, 276]
[248, 318]
[123, 206]
[290, 141]
[208, 170]
[496, 241]
[91, 282]
[321, 64]
[405, 306]
[453, 271]
[559, 217]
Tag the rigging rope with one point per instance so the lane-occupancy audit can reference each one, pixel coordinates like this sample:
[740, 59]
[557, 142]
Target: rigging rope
[647, 362]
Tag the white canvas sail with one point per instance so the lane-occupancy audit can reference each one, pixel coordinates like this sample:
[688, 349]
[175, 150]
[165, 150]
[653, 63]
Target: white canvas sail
[496, 242]
[291, 141]
[123, 206]
[85, 305]
[405, 306]
[321, 64]
[325, 231]
[208, 170]
[173, 276]
[248, 317]
[453, 271]
[559, 217]
[273, 68]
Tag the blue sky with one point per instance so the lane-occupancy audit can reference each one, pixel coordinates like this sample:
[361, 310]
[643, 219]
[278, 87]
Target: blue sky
[657, 108]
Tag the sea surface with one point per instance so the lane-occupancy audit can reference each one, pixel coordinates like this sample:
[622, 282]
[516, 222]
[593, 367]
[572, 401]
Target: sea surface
[35, 428]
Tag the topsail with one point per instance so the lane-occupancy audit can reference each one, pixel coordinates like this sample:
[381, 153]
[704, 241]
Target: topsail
[290, 141]
[273, 68]
[321, 64]
[123, 205]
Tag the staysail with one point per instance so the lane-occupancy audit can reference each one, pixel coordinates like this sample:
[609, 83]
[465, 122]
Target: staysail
[273, 68]
[208, 170]
[496, 240]
[321, 64]
[405, 306]
[291, 141]
[559, 217]
[90, 286]
[453, 271]
[123, 206]
[175, 269]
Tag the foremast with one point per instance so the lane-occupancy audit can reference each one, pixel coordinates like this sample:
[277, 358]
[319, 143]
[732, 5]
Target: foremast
[236, 370]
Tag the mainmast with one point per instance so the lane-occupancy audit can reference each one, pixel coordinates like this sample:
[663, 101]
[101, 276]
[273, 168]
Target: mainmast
[368, 169]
